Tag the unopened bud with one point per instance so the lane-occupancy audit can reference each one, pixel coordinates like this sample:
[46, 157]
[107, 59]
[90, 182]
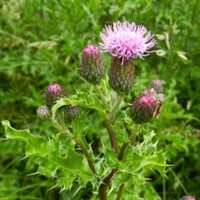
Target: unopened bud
[122, 75]
[145, 107]
[157, 85]
[53, 93]
[43, 112]
[92, 68]
[188, 197]
[161, 97]
[72, 112]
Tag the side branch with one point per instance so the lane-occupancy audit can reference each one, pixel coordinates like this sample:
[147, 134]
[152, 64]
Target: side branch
[87, 155]
[112, 135]
[104, 184]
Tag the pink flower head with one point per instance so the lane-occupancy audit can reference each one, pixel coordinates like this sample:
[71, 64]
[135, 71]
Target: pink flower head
[90, 50]
[145, 106]
[188, 197]
[54, 88]
[92, 68]
[157, 85]
[53, 92]
[127, 40]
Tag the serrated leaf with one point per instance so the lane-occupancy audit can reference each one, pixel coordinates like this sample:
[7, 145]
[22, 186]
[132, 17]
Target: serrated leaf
[157, 161]
[110, 158]
[88, 100]
[55, 156]
[35, 144]
[66, 179]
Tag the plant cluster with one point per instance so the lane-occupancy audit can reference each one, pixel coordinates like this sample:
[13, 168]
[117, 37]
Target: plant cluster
[67, 156]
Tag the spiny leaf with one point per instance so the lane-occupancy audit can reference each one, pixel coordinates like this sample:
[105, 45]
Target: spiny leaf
[88, 100]
[55, 156]
[35, 144]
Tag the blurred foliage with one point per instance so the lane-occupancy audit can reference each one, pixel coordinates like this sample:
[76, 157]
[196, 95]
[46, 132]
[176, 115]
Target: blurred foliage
[41, 42]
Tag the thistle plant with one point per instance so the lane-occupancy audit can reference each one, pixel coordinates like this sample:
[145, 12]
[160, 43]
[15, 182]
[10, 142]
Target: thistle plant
[119, 164]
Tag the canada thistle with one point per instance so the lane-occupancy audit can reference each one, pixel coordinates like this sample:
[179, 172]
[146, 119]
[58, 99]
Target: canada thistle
[53, 93]
[92, 68]
[121, 77]
[157, 85]
[125, 42]
[188, 197]
[43, 112]
[72, 112]
[145, 106]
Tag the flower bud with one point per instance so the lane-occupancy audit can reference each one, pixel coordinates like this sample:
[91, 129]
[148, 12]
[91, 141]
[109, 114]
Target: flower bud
[92, 68]
[43, 112]
[188, 197]
[72, 112]
[145, 107]
[53, 93]
[122, 75]
[161, 97]
[157, 85]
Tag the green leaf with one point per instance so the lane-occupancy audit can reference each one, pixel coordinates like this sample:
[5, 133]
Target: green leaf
[56, 156]
[144, 158]
[88, 100]
[35, 144]
[110, 158]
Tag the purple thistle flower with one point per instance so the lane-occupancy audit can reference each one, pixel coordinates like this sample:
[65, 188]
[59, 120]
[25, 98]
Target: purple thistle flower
[145, 106]
[188, 197]
[72, 112]
[43, 112]
[157, 85]
[127, 40]
[53, 92]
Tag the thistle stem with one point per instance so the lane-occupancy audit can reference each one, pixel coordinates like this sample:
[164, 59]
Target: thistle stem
[123, 149]
[131, 139]
[87, 155]
[101, 94]
[115, 106]
[108, 178]
[119, 193]
[62, 128]
[112, 134]
[104, 184]
[181, 184]
[62, 120]
[102, 192]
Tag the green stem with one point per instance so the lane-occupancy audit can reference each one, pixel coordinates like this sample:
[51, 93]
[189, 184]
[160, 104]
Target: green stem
[122, 150]
[164, 188]
[101, 94]
[105, 183]
[112, 134]
[119, 193]
[78, 141]
[114, 108]
[56, 125]
[87, 155]
[62, 119]
[108, 178]
[102, 192]
[131, 139]
[177, 178]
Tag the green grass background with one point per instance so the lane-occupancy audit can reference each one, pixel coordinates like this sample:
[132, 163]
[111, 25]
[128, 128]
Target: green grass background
[41, 42]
